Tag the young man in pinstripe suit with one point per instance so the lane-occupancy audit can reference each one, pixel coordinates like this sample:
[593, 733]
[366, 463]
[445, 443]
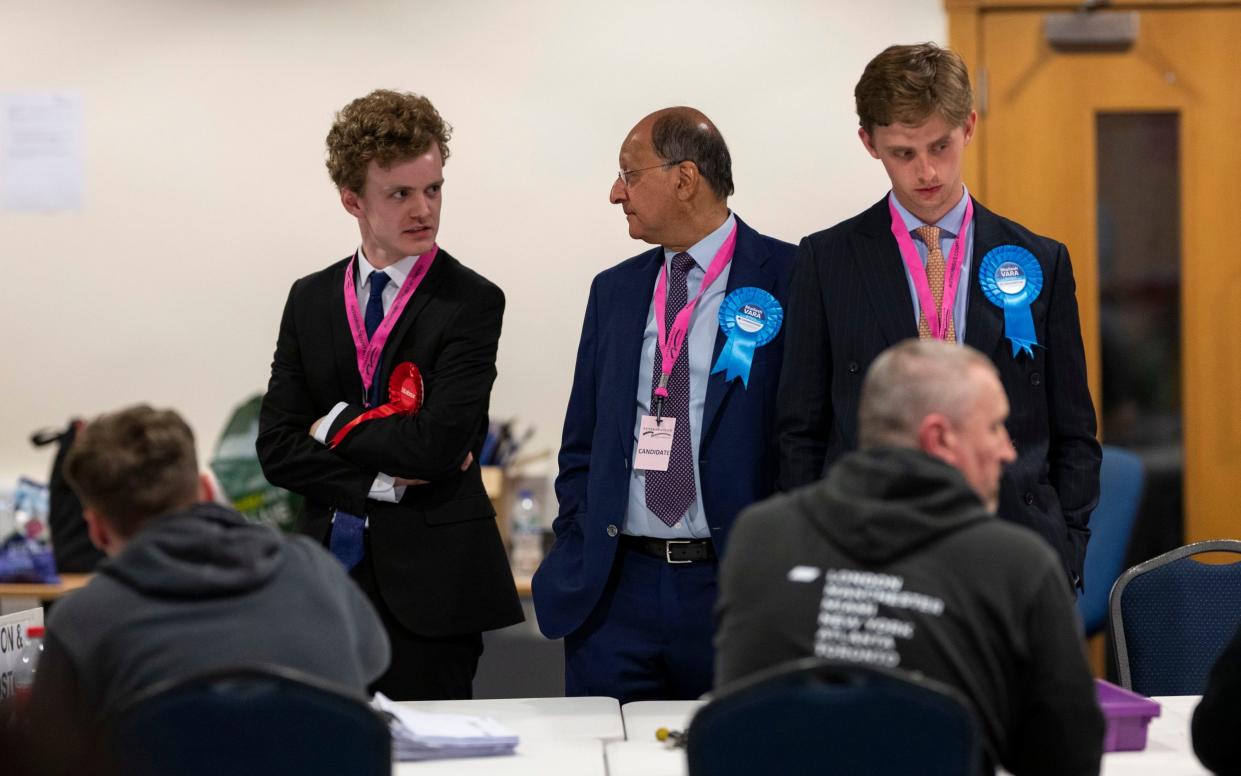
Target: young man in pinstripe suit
[930, 261]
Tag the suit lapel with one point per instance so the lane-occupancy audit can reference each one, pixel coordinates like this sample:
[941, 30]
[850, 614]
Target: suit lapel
[984, 322]
[746, 269]
[342, 337]
[626, 328]
[346, 354]
[877, 260]
[441, 268]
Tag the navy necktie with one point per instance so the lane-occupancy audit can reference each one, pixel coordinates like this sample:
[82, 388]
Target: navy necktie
[669, 493]
[347, 542]
[374, 317]
[375, 305]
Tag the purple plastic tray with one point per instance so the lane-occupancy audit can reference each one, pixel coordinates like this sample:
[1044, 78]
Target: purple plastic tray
[1127, 715]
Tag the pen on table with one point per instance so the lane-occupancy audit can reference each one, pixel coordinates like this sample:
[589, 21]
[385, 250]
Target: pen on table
[671, 737]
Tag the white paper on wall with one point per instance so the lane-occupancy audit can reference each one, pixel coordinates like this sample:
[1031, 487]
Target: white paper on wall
[41, 151]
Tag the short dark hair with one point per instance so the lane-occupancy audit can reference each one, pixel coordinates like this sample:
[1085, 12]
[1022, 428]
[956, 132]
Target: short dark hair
[906, 84]
[134, 464]
[385, 126]
[685, 135]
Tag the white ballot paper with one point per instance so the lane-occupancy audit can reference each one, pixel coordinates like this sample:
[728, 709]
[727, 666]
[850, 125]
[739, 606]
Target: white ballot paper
[420, 735]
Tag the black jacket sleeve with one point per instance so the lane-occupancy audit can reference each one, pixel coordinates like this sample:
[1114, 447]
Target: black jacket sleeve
[804, 400]
[1073, 455]
[290, 457]
[1215, 720]
[1058, 726]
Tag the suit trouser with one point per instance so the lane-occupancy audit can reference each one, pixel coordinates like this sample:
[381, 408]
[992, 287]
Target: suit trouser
[650, 635]
[423, 668]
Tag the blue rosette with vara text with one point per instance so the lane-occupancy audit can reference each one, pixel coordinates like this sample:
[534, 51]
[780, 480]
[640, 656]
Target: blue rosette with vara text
[750, 317]
[1011, 279]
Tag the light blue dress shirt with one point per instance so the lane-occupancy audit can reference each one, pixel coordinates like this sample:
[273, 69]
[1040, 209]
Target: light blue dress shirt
[699, 347]
[949, 226]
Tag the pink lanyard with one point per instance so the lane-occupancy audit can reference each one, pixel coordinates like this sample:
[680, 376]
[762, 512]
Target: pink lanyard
[938, 323]
[369, 350]
[671, 342]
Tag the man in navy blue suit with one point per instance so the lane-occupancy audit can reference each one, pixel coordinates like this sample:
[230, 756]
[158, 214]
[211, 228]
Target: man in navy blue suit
[668, 433]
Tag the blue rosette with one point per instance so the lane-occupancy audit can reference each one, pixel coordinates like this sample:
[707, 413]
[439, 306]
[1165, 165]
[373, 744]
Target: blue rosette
[1011, 279]
[750, 317]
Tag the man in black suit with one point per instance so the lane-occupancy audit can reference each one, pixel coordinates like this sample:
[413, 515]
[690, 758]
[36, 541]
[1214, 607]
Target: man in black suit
[928, 247]
[397, 496]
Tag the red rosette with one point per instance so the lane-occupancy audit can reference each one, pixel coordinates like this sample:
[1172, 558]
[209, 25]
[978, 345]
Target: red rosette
[405, 395]
[405, 388]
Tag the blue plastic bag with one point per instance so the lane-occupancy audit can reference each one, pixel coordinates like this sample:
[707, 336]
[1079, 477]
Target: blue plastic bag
[25, 560]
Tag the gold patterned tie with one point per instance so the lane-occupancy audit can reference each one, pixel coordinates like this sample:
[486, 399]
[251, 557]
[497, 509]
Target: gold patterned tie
[934, 277]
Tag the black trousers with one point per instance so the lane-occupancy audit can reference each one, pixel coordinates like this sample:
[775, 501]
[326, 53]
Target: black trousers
[423, 668]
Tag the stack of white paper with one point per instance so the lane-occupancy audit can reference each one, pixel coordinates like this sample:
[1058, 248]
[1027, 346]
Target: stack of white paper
[418, 735]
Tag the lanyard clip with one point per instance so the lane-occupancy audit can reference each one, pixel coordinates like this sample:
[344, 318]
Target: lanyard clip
[661, 390]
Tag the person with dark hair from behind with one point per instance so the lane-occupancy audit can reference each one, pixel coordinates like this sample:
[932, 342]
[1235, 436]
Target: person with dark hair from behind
[1215, 720]
[896, 559]
[189, 586]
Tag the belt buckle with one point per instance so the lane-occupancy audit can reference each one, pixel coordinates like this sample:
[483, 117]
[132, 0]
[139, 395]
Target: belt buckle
[668, 550]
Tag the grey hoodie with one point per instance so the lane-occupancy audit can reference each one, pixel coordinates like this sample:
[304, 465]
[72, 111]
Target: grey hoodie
[199, 590]
[972, 601]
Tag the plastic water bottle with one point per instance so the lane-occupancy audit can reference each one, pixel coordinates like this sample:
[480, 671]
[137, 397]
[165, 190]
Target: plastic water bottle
[28, 664]
[526, 535]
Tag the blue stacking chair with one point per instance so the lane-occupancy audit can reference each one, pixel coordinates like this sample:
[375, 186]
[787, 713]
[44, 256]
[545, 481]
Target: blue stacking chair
[821, 717]
[1111, 525]
[1171, 616]
[260, 721]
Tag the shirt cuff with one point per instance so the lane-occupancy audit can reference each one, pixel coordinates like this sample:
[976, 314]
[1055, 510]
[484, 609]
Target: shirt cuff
[326, 424]
[384, 488]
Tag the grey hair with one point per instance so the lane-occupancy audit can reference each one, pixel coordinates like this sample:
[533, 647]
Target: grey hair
[686, 135]
[911, 380]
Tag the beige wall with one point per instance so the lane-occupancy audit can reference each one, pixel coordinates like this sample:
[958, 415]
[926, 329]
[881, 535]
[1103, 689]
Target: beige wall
[206, 195]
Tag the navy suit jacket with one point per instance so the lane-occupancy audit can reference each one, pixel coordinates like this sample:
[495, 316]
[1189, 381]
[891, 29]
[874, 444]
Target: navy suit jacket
[850, 301]
[737, 453]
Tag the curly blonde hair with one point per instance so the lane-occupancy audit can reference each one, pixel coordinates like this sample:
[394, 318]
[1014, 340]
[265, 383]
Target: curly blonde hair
[386, 126]
[906, 84]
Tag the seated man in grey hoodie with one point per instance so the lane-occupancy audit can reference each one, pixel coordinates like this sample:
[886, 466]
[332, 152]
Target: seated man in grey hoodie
[895, 559]
[189, 586]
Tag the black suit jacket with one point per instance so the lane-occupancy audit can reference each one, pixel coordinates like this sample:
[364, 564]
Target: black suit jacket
[850, 301]
[439, 561]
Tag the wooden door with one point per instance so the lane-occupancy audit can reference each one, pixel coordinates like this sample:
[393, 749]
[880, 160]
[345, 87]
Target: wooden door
[1046, 119]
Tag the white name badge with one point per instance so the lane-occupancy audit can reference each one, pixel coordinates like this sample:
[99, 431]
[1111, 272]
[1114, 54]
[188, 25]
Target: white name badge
[654, 443]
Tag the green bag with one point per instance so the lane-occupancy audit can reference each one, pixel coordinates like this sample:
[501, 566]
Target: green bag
[236, 467]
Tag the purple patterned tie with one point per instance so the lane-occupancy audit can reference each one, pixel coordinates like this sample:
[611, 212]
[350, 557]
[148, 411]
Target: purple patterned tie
[669, 493]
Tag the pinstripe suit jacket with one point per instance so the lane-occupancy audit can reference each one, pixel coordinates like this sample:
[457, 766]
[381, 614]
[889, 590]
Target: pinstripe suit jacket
[849, 300]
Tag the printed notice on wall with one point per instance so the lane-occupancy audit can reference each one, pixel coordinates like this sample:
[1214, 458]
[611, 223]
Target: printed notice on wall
[41, 151]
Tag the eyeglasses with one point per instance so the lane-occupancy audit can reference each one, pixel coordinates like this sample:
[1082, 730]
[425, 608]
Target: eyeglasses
[626, 176]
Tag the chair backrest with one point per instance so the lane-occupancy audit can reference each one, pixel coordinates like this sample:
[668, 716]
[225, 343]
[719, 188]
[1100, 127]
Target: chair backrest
[819, 716]
[1171, 616]
[1111, 525]
[258, 721]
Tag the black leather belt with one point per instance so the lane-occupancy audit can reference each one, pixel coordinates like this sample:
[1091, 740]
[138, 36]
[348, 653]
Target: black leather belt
[671, 550]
